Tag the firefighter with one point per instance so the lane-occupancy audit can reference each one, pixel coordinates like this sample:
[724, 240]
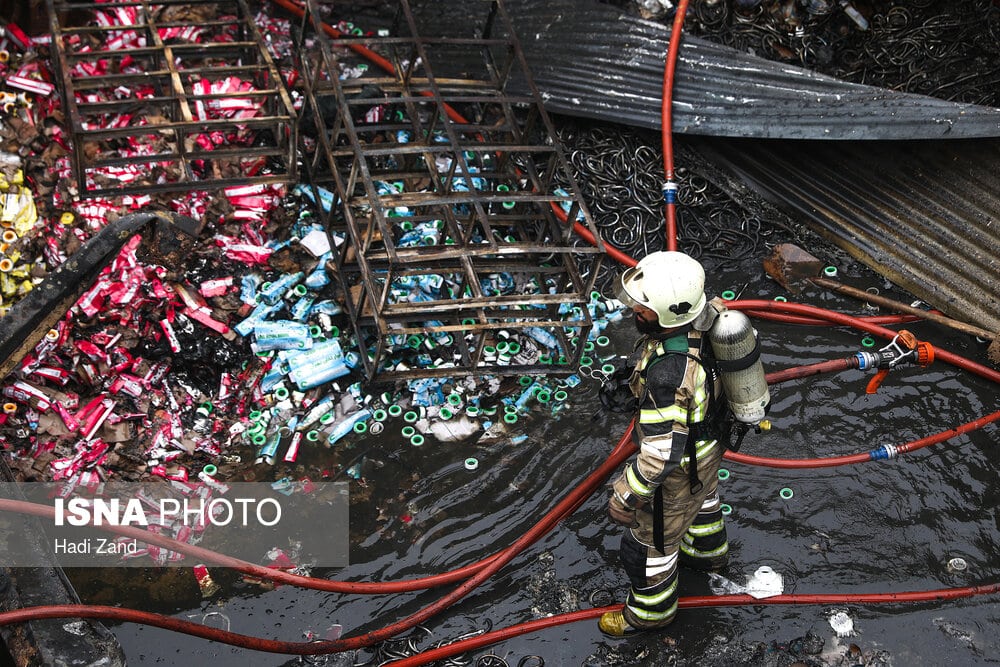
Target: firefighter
[667, 495]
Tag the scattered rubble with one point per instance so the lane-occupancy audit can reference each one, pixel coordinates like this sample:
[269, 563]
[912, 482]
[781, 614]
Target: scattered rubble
[229, 362]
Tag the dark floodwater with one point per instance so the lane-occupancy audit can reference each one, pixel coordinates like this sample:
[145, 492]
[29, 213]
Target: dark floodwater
[888, 526]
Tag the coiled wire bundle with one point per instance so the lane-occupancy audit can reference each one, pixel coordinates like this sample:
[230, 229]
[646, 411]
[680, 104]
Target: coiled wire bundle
[620, 174]
[948, 50]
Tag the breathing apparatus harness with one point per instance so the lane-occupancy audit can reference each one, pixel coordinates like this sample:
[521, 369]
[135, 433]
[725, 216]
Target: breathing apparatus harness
[712, 426]
[716, 424]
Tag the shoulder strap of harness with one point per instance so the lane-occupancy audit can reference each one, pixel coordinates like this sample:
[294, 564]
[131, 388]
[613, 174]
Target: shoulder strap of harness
[690, 447]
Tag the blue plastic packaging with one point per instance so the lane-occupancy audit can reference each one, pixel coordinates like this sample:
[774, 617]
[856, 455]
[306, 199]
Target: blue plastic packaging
[346, 425]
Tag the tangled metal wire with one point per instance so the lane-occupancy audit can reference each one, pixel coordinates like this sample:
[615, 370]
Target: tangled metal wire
[620, 174]
[949, 50]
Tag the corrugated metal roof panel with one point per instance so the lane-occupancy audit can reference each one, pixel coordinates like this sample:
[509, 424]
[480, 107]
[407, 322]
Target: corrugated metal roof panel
[925, 215]
[595, 61]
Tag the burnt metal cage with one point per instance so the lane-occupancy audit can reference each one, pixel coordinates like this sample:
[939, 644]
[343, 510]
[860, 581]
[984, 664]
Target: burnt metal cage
[440, 192]
[170, 96]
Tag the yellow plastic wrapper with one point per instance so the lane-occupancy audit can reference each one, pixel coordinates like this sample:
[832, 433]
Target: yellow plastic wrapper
[19, 210]
[8, 286]
[28, 215]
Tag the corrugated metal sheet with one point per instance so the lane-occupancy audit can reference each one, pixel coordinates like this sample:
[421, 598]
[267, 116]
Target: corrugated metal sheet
[594, 61]
[925, 215]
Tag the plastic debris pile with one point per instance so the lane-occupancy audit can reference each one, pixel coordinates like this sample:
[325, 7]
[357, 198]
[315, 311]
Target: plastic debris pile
[239, 362]
[103, 395]
[145, 376]
[25, 95]
[439, 190]
[172, 97]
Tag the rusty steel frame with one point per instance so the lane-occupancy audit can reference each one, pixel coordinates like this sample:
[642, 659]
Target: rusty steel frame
[172, 68]
[488, 185]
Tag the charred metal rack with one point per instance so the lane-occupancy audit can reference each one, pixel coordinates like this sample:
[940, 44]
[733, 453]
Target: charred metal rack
[170, 96]
[439, 190]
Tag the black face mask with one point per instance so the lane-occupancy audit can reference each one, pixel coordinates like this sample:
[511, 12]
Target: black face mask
[648, 328]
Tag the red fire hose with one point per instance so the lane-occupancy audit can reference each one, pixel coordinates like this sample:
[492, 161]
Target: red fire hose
[698, 602]
[667, 124]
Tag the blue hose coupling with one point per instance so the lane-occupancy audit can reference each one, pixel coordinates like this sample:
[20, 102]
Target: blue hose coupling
[670, 192]
[884, 452]
[867, 360]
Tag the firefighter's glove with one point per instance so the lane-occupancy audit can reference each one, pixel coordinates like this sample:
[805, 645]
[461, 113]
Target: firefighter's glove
[621, 514]
[615, 393]
[623, 504]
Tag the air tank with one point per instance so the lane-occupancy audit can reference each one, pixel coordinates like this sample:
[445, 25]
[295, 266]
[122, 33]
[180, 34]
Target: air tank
[734, 343]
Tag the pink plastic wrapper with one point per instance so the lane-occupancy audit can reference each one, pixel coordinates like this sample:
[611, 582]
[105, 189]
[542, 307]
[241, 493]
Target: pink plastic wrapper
[168, 331]
[216, 287]
[204, 316]
[30, 85]
[249, 254]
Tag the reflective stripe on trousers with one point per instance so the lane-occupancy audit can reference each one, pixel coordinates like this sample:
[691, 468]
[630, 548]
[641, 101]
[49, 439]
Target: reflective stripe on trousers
[706, 538]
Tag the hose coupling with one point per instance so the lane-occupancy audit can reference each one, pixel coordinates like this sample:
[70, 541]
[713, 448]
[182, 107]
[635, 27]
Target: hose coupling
[670, 192]
[884, 452]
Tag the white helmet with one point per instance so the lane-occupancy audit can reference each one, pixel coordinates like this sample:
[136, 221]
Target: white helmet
[670, 283]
